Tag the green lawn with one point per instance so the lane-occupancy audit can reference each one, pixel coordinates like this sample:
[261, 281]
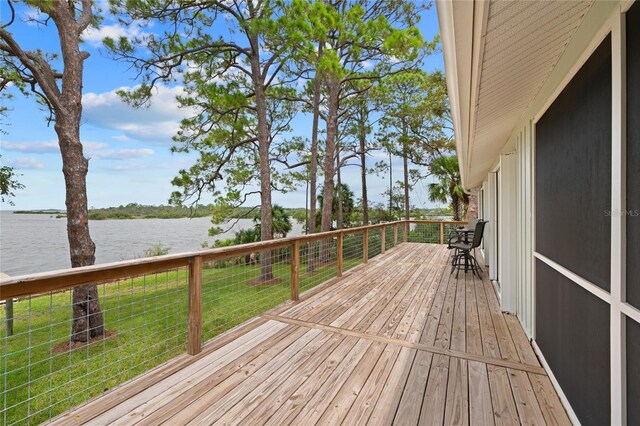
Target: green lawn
[149, 317]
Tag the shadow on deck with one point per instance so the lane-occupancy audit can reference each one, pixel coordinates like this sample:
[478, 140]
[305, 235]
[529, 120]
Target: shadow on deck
[398, 341]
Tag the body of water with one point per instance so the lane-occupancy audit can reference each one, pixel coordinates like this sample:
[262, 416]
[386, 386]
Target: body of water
[32, 243]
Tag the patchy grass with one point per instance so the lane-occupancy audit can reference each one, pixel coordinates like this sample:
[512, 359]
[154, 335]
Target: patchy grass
[146, 318]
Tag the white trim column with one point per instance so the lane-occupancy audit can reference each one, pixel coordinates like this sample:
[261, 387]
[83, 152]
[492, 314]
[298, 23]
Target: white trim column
[618, 231]
[507, 229]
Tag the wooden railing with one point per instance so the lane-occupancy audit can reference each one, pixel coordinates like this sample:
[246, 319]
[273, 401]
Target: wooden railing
[34, 284]
[152, 298]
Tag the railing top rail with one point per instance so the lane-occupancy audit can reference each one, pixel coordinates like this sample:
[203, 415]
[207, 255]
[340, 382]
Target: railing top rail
[38, 283]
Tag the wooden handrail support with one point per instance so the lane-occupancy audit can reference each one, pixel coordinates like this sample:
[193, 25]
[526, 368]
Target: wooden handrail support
[194, 332]
[395, 234]
[441, 232]
[339, 254]
[295, 270]
[33, 284]
[382, 239]
[365, 246]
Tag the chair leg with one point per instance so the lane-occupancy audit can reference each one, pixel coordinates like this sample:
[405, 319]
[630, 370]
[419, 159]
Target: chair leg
[476, 260]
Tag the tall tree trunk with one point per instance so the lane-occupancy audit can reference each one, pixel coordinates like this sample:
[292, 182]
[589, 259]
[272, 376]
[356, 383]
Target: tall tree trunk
[87, 316]
[405, 163]
[333, 89]
[313, 167]
[390, 185]
[65, 102]
[455, 206]
[472, 207]
[266, 219]
[88, 321]
[363, 176]
[340, 212]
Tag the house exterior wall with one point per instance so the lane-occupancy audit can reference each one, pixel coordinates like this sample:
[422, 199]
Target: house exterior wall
[547, 284]
[573, 192]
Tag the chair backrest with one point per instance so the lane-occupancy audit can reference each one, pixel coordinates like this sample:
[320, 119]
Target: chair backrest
[477, 233]
[472, 223]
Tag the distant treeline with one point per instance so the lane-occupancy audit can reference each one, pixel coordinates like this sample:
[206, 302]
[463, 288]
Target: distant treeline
[133, 211]
[140, 211]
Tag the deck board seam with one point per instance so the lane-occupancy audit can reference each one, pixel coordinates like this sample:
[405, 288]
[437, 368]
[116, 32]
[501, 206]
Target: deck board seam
[426, 348]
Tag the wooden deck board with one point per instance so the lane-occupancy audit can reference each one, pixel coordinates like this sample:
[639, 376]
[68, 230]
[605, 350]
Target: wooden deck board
[398, 341]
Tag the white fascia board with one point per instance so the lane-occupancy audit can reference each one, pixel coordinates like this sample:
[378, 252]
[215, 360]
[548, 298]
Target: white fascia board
[456, 30]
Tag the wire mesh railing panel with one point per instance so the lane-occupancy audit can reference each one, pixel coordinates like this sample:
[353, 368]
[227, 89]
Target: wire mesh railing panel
[318, 263]
[403, 233]
[352, 251]
[424, 233]
[238, 288]
[45, 372]
[389, 237]
[375, 247]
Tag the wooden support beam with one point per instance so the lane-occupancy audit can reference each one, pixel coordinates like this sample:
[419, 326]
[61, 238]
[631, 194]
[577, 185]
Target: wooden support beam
[395, 234]
[365, 246]
[340, 248]
[441, 232]
[194, 335]
[295, 270]
[406, 232]
[382, 239]
[8, 310]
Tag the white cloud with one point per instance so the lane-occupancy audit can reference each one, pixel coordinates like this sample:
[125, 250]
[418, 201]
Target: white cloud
[24, 163]
[156, 123]
[94, 150]
[37, 147]
[121, 154]
[94, 36]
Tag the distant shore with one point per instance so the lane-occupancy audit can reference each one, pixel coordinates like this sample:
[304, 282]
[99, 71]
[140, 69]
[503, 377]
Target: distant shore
[139, 211]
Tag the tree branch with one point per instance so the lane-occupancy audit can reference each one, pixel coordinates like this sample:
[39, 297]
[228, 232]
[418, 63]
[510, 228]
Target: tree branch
[38, 67]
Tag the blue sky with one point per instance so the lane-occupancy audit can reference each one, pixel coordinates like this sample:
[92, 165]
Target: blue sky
[129, 149]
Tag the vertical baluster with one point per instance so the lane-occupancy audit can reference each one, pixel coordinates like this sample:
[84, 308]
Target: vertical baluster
[365, 246]
[194, 339]
[340, 244]
[295, 270]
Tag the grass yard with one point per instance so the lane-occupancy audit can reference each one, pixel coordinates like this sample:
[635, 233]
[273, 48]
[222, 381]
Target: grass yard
[149, 317]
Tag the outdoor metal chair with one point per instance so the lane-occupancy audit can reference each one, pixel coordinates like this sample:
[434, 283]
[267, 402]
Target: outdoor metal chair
[462, 257]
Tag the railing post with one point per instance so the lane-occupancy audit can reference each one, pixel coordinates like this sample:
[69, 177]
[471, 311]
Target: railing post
[383, 239]
[365, 246]
[8, 307]
[395, 235]
[406, 231]
[441, 232]
[194, 335]
[295, 270]
[340, 244]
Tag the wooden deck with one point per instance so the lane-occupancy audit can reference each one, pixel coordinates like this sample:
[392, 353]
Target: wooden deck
[399, 341]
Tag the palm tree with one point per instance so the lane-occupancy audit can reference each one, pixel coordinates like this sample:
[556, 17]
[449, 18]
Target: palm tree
[449, 188]
[281, 222]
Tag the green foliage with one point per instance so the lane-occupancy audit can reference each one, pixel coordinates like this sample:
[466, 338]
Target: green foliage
[139, 211]
[246, 236]
[395, 202]
[8, 184]
[449, 188]
[281, 222]
[157, 249]
[227, 56]
[348, 205]
[416, 119]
